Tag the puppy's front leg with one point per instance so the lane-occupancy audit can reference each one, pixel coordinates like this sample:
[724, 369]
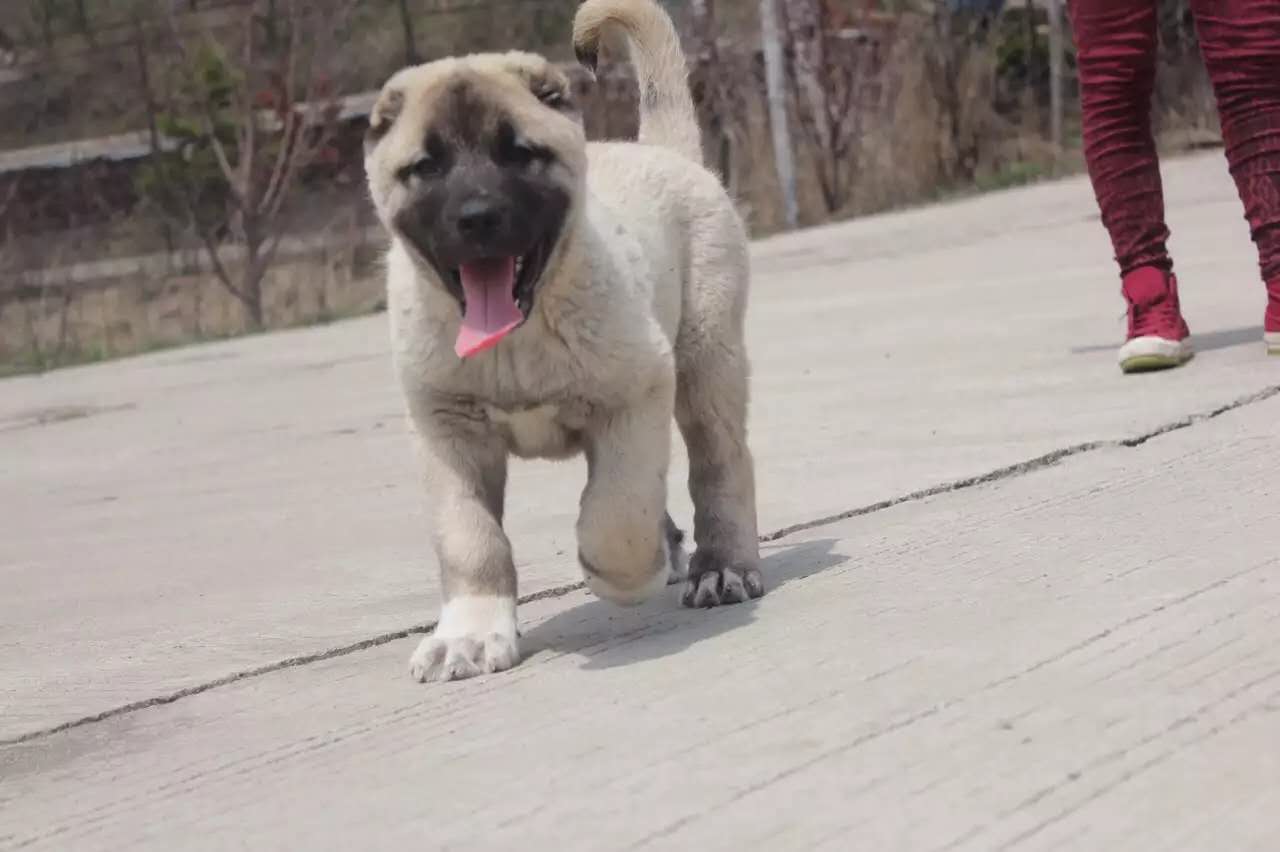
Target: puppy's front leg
[623, 528]
[466, 468]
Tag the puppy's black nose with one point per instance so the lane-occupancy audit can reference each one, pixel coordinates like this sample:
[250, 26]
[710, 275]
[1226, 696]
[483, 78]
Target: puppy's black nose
[479, 218]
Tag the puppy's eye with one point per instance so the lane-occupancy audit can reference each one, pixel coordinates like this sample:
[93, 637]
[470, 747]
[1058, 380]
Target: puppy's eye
[521, 153]
[423, 168]
[553, 98]
[513, 149]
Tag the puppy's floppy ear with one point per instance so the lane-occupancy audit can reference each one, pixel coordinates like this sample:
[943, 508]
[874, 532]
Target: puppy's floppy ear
[552, 87]
[385, 112]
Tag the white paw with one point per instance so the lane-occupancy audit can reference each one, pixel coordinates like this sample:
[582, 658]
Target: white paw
[476, 635]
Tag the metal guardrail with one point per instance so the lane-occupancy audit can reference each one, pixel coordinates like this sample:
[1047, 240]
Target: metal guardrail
[137, 144]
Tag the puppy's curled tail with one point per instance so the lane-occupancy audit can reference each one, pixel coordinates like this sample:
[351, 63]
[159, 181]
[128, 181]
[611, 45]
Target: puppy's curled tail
[666, 107]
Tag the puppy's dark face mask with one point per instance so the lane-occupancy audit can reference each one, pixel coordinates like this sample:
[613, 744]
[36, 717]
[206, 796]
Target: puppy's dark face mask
[484, 200]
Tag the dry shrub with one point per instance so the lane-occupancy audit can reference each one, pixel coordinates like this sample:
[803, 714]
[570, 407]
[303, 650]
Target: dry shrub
[938, 126]
[932, 129]
[1184, 112]
[35, 309]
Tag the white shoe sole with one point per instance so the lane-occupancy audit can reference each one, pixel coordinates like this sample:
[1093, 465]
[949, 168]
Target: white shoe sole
[1272, 339]
[1143, 354]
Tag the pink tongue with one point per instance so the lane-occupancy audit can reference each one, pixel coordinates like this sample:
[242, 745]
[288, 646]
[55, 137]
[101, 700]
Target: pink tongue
[491, 311]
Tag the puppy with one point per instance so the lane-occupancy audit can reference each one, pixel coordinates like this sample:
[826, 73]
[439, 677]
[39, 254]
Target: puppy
[550, 297]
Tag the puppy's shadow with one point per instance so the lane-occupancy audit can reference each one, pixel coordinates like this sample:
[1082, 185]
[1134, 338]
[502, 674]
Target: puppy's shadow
[607, 635]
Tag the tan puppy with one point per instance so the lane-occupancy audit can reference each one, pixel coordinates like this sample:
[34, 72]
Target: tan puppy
[549, 297]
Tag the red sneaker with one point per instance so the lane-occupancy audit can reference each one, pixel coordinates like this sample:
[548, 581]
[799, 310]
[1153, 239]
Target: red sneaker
[1271, 326]
[1158, 336]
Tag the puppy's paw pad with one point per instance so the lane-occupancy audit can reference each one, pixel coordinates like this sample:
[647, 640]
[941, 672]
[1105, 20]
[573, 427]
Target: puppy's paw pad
[714, 583]
[456, 658]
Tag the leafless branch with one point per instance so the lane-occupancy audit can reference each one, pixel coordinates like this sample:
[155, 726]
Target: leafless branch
[286, 108]
[297, 146]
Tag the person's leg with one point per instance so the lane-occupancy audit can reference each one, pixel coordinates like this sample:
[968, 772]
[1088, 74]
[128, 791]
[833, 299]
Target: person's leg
[1116, 55]
[1116, 60]
[1240, 40]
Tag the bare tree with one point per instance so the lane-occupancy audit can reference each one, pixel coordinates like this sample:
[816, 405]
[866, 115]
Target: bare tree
[806, 25]
[959, 70]
[233, 128]
[80, 14]
[831, 65]
[406, 26]
[718, 89]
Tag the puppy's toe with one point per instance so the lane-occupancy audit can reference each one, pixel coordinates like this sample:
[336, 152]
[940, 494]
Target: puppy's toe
[460, 657]
[500, 653]
[712, 582]
[427, 661]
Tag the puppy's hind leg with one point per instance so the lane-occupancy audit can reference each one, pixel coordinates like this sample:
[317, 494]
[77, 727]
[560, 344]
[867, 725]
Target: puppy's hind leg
[711, 408]
[624, 533]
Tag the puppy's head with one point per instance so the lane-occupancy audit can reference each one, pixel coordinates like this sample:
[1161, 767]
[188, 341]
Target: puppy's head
[477, 163]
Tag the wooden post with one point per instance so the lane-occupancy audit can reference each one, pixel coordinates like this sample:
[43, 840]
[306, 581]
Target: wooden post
[776, 86]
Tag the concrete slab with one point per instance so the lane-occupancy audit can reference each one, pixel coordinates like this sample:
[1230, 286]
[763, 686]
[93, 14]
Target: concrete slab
[175, 519]
[1080, 656]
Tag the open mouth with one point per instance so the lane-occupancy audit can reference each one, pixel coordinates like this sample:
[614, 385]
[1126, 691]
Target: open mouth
[497, 295]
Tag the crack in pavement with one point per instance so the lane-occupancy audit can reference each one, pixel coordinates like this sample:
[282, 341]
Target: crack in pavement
[1008, 472]
[1024, 467]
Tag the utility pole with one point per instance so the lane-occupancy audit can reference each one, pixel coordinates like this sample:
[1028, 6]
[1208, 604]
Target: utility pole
[1055, 74]
[776, 86]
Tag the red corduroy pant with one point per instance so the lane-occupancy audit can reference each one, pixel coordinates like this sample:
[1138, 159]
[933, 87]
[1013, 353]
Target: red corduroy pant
[1116, 50]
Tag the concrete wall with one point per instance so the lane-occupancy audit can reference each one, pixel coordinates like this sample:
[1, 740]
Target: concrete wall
[57, 318]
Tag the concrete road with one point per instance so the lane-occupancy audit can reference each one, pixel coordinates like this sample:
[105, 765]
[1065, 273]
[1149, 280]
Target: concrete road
[1019, 600]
